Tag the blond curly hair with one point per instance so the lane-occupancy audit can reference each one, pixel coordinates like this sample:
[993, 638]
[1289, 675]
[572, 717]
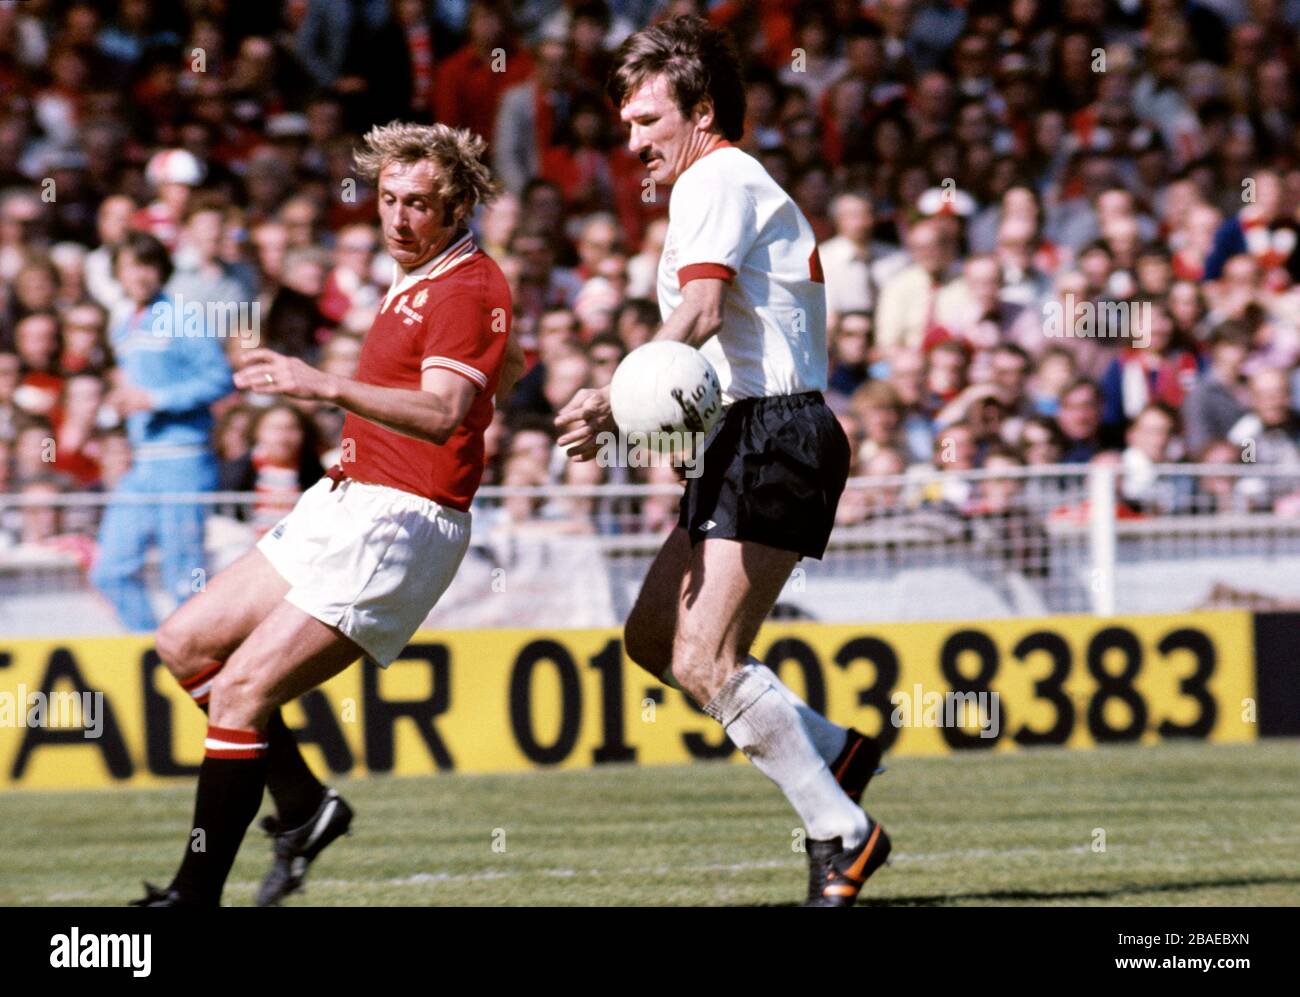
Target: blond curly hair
[463, 179]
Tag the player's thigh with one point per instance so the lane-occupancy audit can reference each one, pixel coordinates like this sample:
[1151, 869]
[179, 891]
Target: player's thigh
[731, 587]
[648, 632]
[212, 624]
[288, 653]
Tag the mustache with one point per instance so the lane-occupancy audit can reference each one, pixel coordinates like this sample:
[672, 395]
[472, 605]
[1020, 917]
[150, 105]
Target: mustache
[647, 156]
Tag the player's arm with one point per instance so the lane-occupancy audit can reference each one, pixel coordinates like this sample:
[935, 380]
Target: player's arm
[432, 412]
[699, 317]
[693, 322]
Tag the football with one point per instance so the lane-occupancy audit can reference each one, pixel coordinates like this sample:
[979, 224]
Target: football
[665, 387]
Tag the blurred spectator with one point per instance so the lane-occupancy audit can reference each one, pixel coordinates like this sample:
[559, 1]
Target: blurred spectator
[946, 372]
[850, 346]
[541, 285]
[604, 354]
[348, 290]
[85, 340]
[879, 413]
[81, 414]
[557, 336]
[1261, 231]
[531, 115]
[1055, 371]
[1215, 403]
[1221, 494]
[873, 498]
[972, 309]
[172, 174]
[231, 438]
[113, 220]
[636, 322]
[166, 386]
[594, 170]
[1269, 433]
[1041, 441]
[1152, 439]
[906, 371]
[281, 460]
[955, 449]
[854, 262]
[907, 303]
[200, 274]
[36, 341]
[34, 448]
[1162, 371]
[472, 81]
[1079, 420]
[290, 318]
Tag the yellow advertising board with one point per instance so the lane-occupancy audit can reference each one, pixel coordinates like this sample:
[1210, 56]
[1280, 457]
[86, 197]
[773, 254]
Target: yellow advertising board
[503, 700]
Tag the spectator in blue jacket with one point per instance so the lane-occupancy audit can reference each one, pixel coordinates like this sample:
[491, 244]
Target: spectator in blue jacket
[171, 370]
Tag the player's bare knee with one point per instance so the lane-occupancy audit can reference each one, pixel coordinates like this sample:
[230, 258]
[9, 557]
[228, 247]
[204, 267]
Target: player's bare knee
[693, 670]
[239, 700]
[180, 648]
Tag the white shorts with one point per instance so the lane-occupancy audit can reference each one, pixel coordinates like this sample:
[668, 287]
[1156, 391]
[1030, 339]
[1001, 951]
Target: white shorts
[368, 559]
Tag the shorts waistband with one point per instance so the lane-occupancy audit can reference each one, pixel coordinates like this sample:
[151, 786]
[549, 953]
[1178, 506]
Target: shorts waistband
[791, 402]
[338, 476]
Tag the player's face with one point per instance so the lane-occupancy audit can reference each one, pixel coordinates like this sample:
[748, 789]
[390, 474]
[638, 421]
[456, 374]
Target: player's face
[661, 136]
[411, 214]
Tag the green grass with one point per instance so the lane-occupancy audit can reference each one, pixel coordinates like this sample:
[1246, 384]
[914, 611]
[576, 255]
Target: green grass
[1186, 824]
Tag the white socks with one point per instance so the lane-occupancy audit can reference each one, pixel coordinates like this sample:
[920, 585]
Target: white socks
[768, 729]
[828, 738]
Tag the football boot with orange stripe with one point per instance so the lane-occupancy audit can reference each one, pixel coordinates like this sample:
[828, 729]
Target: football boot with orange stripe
[836, 874]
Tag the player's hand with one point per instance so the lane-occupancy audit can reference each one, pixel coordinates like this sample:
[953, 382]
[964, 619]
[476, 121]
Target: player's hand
[583, 420]
[266, 372]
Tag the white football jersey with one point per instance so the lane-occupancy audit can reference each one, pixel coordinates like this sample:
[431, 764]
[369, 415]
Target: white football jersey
[728, 218]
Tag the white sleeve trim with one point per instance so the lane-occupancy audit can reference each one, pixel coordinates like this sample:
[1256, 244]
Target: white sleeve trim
[464, 369]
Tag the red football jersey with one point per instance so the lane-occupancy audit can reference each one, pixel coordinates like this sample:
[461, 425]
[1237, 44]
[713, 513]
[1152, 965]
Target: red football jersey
[454, 312]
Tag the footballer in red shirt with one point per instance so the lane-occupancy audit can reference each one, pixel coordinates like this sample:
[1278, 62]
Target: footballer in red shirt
[356, 566]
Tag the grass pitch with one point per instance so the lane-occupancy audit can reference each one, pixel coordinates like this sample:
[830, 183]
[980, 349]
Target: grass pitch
[1186, 824]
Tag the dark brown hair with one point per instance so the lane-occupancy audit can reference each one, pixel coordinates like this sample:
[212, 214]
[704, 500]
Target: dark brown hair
[700, 63]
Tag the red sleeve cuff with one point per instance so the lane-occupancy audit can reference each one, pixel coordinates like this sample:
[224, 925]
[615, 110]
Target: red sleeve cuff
[694, 271]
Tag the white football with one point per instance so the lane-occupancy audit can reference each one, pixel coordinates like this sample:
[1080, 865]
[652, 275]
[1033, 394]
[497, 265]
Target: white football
[665, 387]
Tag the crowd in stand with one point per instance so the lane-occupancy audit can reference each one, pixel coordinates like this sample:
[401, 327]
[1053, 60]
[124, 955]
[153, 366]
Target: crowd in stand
[1062, 232]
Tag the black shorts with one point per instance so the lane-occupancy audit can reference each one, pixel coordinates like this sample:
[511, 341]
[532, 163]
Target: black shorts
[772, 473]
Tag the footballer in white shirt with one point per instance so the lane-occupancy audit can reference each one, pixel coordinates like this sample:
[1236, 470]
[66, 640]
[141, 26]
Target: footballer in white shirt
[740, 280]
